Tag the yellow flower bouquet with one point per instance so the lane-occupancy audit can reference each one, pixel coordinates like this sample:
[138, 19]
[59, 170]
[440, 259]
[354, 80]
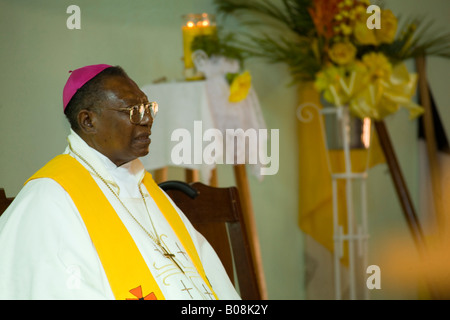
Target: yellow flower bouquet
[369, 84]
[353, 51]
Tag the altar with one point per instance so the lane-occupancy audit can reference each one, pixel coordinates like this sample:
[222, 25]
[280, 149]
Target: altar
[181, 104]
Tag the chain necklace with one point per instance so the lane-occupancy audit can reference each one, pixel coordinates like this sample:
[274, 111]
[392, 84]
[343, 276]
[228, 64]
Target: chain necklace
[155, 238]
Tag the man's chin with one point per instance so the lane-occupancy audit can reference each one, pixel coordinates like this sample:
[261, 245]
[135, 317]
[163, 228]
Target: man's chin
[141, 148]
[144, 151]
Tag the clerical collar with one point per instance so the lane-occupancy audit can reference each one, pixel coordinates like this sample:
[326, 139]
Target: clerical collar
[126, 177]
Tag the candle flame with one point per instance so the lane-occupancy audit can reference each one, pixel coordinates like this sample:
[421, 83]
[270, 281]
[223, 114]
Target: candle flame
[190, 24]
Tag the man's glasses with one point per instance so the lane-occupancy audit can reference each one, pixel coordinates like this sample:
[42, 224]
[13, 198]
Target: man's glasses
[137, 112]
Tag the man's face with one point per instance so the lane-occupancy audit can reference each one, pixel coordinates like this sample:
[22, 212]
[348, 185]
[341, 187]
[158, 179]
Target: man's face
[116, 137]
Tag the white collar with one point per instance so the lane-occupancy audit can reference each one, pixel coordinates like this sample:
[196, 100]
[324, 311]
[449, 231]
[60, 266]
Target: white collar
[126, 177]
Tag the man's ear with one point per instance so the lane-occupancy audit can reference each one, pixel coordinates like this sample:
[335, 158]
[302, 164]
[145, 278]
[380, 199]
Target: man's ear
[87, 120]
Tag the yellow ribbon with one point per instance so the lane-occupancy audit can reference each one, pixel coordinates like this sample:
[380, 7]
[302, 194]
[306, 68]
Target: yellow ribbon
[369, 94]
[382, 98]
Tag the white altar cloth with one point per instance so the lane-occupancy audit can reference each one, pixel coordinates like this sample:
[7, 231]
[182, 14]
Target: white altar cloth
[185, 104]
[180, 105]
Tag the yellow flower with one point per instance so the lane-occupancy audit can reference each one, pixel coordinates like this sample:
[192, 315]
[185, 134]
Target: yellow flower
[379, 98]
[325, 79]
[364, 35]
[360, 10]
[352, 15]
[240, 87]
[386, 33]
[342, 53]
[378, 66]
[346, 29]
[336, 84]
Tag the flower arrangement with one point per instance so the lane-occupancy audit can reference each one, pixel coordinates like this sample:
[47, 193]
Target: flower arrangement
[217, 45]
[369, 83]
[337, 45]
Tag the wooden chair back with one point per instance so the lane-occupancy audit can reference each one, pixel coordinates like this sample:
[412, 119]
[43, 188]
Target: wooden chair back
[216, 213]
[4, 201]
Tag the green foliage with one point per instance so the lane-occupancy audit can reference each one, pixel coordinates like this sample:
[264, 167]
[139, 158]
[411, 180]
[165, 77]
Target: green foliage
[296, 46]
[217, 45]
[299, 46]
[293, 16]
[417, 36]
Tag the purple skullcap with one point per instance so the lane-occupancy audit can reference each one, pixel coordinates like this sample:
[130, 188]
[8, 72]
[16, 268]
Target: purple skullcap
[78, 78]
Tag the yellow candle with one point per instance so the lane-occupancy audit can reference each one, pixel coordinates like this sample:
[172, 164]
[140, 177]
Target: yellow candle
[189, 33]
[195, 25]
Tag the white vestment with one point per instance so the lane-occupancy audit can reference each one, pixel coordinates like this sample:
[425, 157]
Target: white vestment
[46, 251]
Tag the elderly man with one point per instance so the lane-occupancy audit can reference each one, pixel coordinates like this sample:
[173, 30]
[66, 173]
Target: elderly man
[92, 223]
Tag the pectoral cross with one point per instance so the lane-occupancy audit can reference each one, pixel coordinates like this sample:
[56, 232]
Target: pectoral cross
[207, 292]
[170, 256]
[182, 252]
[186, 289]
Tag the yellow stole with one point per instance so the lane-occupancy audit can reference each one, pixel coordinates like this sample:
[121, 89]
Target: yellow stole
[125, 268]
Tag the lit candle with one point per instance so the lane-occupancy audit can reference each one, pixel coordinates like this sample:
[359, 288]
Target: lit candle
[195, 25]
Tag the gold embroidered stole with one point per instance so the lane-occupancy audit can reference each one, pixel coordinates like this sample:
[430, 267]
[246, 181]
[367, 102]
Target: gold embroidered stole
[125, 268]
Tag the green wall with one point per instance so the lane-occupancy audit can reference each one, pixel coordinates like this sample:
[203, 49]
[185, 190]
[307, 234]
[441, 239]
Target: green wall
[144, 37]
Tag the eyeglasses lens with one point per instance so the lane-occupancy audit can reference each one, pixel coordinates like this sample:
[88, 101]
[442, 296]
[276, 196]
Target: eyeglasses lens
[137, 112]
[136, 115]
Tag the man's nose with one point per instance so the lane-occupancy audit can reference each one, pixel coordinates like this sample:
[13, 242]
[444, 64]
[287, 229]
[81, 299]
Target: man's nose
[147, 119]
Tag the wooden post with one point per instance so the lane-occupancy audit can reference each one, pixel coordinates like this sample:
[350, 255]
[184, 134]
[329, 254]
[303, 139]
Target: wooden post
[436, 184]
[247, 208]
[400, 185]
[405, 200]
[191, 175]
[161, 175]
[213, 181]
